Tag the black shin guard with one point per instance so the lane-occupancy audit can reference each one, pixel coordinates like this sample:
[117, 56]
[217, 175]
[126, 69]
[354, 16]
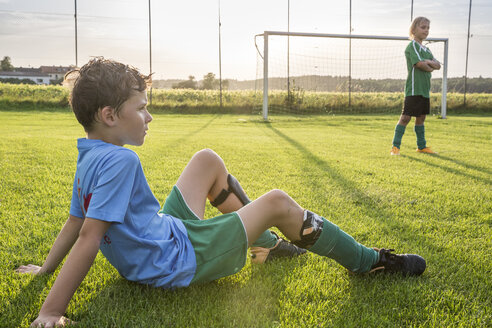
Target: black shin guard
[310, 231]
[235, 188]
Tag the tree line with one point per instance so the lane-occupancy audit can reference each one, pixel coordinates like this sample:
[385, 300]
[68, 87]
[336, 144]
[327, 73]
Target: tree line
[326, 84]
[209, 82]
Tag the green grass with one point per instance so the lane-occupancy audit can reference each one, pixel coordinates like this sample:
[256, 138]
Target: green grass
[55, 98]
[338, 166]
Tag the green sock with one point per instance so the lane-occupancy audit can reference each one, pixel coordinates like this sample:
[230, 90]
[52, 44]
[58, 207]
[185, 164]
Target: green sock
[267, 240]
[420, 132]
[338, 245]
[399, 131]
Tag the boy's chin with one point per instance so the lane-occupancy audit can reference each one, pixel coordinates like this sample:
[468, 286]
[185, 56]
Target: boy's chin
[135, 143]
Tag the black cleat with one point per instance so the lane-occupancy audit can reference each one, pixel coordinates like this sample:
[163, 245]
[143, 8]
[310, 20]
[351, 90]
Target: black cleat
[282, 249]
[407, 264]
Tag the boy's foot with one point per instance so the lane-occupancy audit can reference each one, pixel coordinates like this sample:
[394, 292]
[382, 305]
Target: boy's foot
[395, 151]
[426, 150]
[407, 264]
[282, 249]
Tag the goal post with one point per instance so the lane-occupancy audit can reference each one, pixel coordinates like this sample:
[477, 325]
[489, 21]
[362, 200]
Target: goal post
[321, 57]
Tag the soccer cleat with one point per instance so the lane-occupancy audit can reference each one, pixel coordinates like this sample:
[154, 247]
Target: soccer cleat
[395, 151]
[407, 264]
[426, 150]
[282, 249]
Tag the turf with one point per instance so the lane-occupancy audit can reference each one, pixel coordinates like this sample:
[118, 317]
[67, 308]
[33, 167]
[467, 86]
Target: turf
[438, 206]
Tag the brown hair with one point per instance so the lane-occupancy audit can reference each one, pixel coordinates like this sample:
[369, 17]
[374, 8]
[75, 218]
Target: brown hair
[100, 83]
[416, 22]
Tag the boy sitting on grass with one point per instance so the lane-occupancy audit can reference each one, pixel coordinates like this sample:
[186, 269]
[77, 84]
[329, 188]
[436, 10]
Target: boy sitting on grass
[114, 210]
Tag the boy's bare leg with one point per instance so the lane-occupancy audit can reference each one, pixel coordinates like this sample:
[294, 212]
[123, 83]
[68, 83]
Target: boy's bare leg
[204, 177]
[275, 208]
[404, 120]
[419, 120]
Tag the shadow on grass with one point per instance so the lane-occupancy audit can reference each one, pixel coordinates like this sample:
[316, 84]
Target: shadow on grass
[466, 165]
[22, 304]
[194, 132]
[369, 205]
[228, 302]
[360, 292]
[420, 159]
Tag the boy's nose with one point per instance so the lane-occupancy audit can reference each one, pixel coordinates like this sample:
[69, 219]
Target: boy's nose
[149, 117]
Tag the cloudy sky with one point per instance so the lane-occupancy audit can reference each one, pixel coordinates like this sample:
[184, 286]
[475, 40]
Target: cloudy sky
[185, 33]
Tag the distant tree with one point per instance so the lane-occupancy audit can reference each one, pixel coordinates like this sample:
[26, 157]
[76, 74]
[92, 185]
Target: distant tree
[58, 81]
[225, 84]
[6, 65]
[13, 80]
[210, 82]
[188, 84]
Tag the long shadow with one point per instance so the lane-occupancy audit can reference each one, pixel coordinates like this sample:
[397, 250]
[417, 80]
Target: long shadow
[13, 314]
[125, 304]
[194, 132]
[358, 288]
[369, 205]
[466, 165]
[448, 169]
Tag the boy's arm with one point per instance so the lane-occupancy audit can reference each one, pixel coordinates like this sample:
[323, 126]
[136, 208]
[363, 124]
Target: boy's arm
[73, 272]
[424, 66]
[63, 243]
[434, 63]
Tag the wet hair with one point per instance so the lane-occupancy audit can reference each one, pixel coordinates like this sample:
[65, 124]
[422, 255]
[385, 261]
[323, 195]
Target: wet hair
[100, 83]
[416, 22]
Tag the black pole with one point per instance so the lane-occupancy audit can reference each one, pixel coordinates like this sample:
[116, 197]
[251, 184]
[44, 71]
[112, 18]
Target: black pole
[350, 57]
[467, 46]
[76, 50]
[288, 51]
[411, 12]
[220, 61]
[150, 50]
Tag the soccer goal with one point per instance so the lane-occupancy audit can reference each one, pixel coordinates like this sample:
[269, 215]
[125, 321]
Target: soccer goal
[312, 73]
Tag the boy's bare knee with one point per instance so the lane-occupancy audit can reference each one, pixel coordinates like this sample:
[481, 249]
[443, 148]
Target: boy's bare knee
[405, 119]
[208, 156]
[279, 202]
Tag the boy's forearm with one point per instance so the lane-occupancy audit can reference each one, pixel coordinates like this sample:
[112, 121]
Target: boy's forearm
[71, 275]
[63, 243]
[424, 66]
[434, 64]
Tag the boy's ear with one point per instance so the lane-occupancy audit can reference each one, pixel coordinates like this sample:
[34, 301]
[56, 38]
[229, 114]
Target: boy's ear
[107, 115]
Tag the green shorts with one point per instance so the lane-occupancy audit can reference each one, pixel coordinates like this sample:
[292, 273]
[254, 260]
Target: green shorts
[220, 243]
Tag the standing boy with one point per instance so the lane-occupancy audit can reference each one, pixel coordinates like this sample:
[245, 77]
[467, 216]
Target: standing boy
[420, 64]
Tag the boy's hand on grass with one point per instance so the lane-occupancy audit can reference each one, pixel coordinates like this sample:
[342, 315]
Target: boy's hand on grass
[48, 321]
[30, 268]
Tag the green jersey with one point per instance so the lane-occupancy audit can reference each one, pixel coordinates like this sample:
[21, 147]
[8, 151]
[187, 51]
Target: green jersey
[418, 81]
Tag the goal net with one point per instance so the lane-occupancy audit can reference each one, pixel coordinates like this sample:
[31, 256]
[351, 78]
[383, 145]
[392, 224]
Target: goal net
[307, 73]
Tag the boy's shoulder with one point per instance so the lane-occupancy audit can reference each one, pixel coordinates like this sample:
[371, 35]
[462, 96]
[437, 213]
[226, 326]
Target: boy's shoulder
[106, 152]
[412, 45]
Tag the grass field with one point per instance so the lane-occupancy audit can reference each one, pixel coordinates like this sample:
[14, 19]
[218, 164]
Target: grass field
[42, 97]
[338, 166]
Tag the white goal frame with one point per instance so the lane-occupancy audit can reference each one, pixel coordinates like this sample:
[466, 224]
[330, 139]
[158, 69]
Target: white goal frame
[266, 34]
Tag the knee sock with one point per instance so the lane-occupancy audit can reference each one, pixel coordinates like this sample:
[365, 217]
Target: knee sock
[399, 131]
[338, 245]
[267, 240]
[420, 132]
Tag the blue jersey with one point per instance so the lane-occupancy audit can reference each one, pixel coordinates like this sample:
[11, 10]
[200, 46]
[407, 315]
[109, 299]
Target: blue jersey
[142, 244]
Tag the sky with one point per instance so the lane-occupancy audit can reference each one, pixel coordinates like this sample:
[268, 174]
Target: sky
[185, 33]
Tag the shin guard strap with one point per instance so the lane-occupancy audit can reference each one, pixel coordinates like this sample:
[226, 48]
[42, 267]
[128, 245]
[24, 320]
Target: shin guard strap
[235, 188]
[220, 198]
[310, 231]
